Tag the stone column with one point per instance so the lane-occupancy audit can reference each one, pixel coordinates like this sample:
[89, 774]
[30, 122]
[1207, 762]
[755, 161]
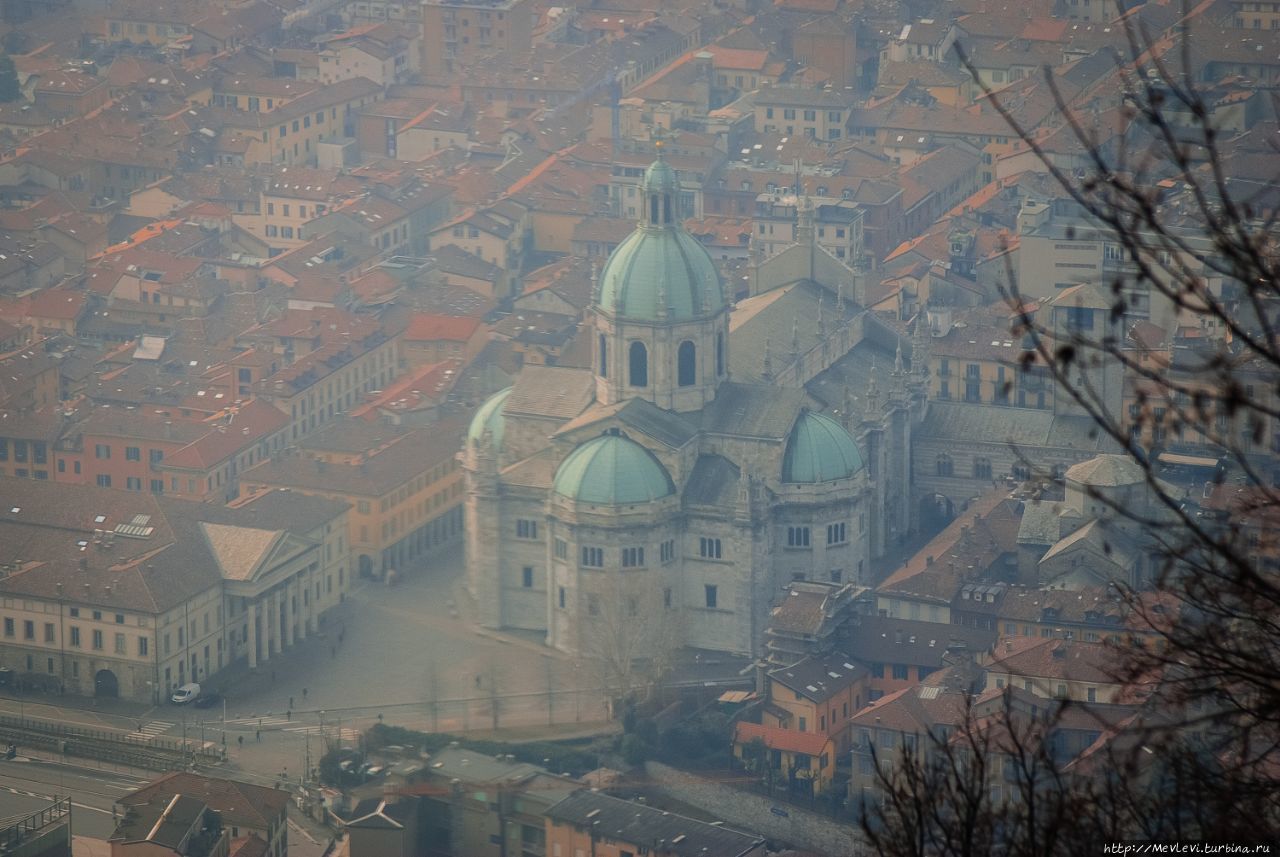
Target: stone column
[275, 617]
[287, 631]
[253, 635]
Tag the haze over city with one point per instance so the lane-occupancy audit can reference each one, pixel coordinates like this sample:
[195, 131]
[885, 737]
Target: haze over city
[688, 428]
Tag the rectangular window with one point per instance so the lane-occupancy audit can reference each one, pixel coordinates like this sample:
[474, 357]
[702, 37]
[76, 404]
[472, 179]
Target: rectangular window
[632, 557]
[8, 627]
[709, 548]
[97, 640]
[526, 577]
[900, 672]
[142, 647]
[797, 537]
[667, 551]
[133, 483]
[526, 529]
[562, 549]
[711, 595]
[592, 557]
[101, 450]
[28, 630]
[561, 596]
[155, 456]
[120, 645]
[836, 533]
[132, 453]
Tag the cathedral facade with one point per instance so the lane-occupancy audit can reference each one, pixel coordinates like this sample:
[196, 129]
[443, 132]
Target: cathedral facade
[714, 453]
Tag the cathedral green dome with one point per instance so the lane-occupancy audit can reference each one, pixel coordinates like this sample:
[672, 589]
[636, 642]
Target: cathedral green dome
[660, 271]
[612, 470]
[490, 417]
[819, 450]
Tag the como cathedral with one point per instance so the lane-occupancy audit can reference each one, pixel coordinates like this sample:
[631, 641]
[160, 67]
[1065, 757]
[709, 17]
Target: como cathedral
[715, 451]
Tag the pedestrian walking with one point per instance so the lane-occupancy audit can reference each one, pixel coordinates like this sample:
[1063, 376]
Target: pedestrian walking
[288, 715]
[258, 735]
[291, 702]
[241, 740]
[304, 693]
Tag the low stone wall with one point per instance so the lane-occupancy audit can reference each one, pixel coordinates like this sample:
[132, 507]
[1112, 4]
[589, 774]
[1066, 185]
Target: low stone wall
[756, 814]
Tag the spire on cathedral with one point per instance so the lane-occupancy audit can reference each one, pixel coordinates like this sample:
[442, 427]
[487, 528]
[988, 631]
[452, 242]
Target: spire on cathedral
[873, 393]
[899, 375]
[822, 322]
[920, 345]
[795, 337]
[846, 408]
[840, 302]
[767, 372]
[662, 297]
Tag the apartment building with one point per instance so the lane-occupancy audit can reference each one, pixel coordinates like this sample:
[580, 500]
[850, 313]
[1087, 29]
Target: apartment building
[456, 35]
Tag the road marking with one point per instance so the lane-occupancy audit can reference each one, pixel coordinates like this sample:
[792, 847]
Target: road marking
[259, 721]
[149, 730]
[347, 733]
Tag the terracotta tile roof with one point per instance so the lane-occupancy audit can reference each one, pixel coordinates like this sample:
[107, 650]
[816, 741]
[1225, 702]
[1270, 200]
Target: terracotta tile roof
[426, 327]
[1050, 658]
[776, 738]
[56, 304]
[239, 804]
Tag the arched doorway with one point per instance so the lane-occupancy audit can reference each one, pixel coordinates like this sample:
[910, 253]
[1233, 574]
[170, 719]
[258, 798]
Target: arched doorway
[936, 511]
[106, 684]
[366, 565]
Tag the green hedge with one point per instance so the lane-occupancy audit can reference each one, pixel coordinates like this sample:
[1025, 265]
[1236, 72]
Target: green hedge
[557, 758]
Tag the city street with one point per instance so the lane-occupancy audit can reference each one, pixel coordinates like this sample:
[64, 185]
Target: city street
[407, 654]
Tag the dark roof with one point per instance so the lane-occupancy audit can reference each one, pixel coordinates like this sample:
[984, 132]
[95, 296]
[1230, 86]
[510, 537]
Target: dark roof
[240, 804]
[819, 679]
[884, 640]
[713, 482]
[645, 826]
[749, 410]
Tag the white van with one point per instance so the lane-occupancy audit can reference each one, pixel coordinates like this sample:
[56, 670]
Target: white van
[186, 693]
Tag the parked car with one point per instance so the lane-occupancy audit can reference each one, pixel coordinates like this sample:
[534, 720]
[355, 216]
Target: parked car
[187, 693]
[208, 700]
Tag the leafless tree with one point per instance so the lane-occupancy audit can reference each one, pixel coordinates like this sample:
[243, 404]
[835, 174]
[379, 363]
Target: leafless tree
[1152, 173]
[631, 633]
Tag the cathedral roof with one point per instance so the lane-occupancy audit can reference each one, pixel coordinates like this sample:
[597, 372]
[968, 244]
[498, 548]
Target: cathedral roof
[660, 272]
[819, 450]
[490, 417]
[612, 470]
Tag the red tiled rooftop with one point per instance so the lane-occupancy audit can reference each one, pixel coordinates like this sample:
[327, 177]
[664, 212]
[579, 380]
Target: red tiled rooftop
[775, 738]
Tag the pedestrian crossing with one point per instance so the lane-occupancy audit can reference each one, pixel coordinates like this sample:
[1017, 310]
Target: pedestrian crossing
[268, 722]
[151, 729]
[347, 733]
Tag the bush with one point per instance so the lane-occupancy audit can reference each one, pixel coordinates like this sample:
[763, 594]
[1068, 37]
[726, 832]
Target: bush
[557, 758]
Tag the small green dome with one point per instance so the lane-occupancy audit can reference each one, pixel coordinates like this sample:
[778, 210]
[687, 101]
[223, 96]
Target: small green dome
[612, 470]
[660, 177]
[819, 450]
[490, 417]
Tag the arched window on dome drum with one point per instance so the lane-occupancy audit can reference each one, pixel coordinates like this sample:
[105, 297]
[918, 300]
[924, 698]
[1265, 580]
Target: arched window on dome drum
[687, 364]
[666, 208]
[653, 209]
[638, 360]
[604, 357]
[719, 354]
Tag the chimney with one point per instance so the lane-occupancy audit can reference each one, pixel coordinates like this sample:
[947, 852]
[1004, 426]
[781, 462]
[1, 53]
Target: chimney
[928, 561]
[1008, 646]
[897, 637]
